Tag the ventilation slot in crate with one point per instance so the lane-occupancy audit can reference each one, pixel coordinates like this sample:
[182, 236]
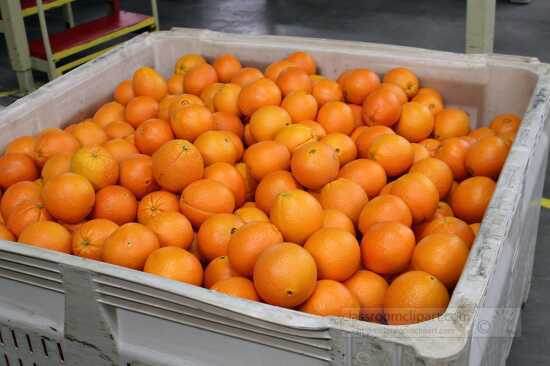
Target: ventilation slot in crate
[20, 348]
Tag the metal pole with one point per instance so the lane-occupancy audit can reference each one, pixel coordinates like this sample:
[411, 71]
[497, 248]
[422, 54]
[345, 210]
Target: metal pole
[68, 15]
[52, 73]
[18, 47]
[480, 26]
[155, 14]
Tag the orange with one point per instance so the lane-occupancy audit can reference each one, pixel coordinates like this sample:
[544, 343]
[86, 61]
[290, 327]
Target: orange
[393, 152]
[441, 255]
[228, 122]
[120, 149]
[204, 198]
[431, 145]
[396, 90]
[327, 91]
[250, 182]
[89, 238]
[139, 110]
[386, 208]
[47, 235]
[216, 146]
[89, 133]
[335, 219]
[191, 121]
[414, 297]
[18, 193]
[443, 210]
[359, 84]
[179, 102]
[437, 171]
[24, 214]
[370, 289]
[228, 175]
[265, 157]
[115, 203]
[275, 69]
[453, 152]
[452, 226]
[295, 136]
[486, 157]
[297, 214]
[154, 204]
[475, 228]
[270, 186]
[318, 130]
[165, 106]
[175, 84]
[259, 93]
[508, 137]
[300, 105]
[248, 242]
[22, 145]
[344, 195]
[293, 79]
[124, 92]
[215, 233]
[419, 193]
[130, 245]
[176, 264]
[16, 168]
[176, 164]
[267, 121]
[331, 298]
[136, 174]
[5, 234]
[148, 82]
[226, 66]
[226, 99]
[357, 111]
[315, 164]
[343, 145]
[118, 129]
[237, 286]
[304, 61]
[431, 92]
[420, 152]
[187, 62]
[198, 78]
[433, 102]
[172, 229]
[51, 142]
[251, 214]
[336, 117]
[482, 132]
[505, 123]
[152, 134]
[387, 247]
[369, 174]
[404, 78]
[381, 107]
[109, 112]
[285, 275]
[68, 197]
[367, 137]
[217, 270]
[451, 122]
[97, 165]
[336, 253]
[416, 122]
[246, 76]
[471, 198]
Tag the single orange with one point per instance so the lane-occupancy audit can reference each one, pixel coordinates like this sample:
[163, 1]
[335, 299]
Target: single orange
[24, 214]
[293, 79]
[437, 171]
[174, 84]
[453, 152]
[331, 298]
[191, 121]
[386, 208]
[369, 174]
[154, 204]
[246, 76]
[451, 122]
[267, 121]
[237, 286]
[217, 270]
[139, 110]
[172, 229]
[215, 233]
[176, 264]
[381, 107]
[327, 91]
[187, 62]
[115, 203]
[275, 69]
[228, 122]
[16, 168]
[118, 129]
[97, 165]
[393, 152]
[198, 78]
[89, 238]
[152, 134]
[259, 93]
[295, 136]
[109, 112]
[53, 141]
[270, 186]
[47, 235]
[228, 175]
[450, 225]
[226, 66]
[471, 198]
[505, 123]
[335, 219]
[68, 197]
[367, 137]
[336, 117]
[227, 99]
[204, 198]
[343, 145]
[89, 133]
[486, 157]
[370, 289]
[18, 193]
[419, 193]
[176, 164]
[405, 79]
[251, 214]
[304, 61]
[147, 82]
[265, 157]
[344, 195]
[416, 122]
[315, 164]
[124, 92]
[136, 174]
[300, 105]
[359, 84]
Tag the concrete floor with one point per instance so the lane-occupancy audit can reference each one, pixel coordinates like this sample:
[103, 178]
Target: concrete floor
[521, 29]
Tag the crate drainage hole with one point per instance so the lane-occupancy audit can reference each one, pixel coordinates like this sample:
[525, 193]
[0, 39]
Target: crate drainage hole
[14, 339]
[1, 339]
[60, 352]
[44, 347]
[6, 359]
[29, 342]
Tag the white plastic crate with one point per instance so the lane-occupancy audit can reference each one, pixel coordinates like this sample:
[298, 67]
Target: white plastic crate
[56, 308]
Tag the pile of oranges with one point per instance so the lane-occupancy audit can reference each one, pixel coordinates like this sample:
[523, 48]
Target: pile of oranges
[359, 197]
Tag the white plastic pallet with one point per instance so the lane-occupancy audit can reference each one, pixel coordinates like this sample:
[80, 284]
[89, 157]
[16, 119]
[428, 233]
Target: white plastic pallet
[56, 308]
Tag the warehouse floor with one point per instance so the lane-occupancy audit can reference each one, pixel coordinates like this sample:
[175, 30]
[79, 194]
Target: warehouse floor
[521, 29]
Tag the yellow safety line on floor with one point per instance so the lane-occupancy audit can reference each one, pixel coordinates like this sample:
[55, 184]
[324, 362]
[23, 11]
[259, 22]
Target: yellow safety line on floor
[545, 202]
[7, 93]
